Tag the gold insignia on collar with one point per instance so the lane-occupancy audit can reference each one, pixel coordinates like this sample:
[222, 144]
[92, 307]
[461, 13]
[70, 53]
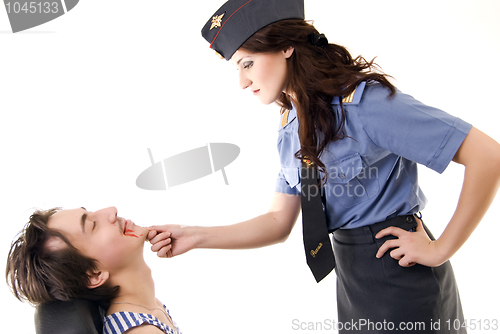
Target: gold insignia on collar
[349, 98]
[284, 119]
[217, 21]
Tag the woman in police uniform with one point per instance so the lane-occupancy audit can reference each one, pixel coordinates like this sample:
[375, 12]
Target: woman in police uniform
[349, 144]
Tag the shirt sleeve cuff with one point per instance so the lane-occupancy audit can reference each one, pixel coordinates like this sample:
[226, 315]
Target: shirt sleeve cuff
[450, 146]
[283, 187]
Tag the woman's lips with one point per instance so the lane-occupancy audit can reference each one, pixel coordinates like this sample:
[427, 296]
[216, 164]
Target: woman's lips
[255, 92]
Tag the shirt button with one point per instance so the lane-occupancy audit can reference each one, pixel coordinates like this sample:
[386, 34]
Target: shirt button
[342, 176]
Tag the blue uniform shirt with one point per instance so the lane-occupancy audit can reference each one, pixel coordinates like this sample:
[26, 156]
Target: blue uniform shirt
[372, 173]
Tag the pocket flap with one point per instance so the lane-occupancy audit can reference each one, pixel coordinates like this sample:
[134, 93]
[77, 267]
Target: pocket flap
[343, 171]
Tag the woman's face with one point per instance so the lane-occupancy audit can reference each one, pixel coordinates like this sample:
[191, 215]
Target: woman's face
[111, 240]
[263, 73]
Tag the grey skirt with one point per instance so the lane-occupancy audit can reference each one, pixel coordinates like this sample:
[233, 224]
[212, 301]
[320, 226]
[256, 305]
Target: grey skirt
[379, 296]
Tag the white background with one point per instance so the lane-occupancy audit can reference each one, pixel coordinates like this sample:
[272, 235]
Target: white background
[84, 96]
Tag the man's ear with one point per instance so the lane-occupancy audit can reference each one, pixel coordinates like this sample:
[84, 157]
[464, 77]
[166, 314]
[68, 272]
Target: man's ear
[288, 52]
[97, 279]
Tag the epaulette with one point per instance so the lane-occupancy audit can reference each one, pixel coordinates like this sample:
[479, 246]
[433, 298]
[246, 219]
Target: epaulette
[287, 117]
[354, 97]
[284, 118]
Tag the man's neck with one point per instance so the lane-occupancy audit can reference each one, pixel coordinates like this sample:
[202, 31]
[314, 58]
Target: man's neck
[136, 286]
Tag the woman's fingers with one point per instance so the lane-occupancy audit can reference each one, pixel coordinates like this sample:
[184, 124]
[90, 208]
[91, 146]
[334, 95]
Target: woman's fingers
[159, 237]
[392, 230]
[386, 246]
[165, 251]
[151, 235]
[157, 246]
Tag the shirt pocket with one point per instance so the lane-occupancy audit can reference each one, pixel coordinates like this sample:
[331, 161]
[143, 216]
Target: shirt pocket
[349, 182]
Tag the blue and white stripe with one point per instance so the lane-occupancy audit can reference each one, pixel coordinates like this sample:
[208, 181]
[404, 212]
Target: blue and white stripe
[120, 322]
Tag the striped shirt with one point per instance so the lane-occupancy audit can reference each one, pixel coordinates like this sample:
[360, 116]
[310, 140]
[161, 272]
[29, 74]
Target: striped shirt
[120, 322]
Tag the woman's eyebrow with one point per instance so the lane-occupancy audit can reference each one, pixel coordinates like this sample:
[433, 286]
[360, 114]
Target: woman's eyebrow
[238, 62]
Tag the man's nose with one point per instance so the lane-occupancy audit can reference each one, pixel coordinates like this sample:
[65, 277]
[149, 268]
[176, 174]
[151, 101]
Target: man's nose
[109, 214]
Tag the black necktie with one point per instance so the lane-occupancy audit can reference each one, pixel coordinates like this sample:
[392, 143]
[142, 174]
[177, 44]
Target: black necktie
[319, 252]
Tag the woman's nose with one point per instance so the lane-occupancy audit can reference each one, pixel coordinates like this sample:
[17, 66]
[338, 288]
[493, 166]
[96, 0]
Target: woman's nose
[244, 81]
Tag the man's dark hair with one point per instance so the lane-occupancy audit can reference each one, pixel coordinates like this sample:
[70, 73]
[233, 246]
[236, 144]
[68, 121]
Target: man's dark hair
[38, 273]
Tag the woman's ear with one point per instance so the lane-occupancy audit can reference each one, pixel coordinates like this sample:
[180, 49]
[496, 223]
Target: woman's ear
[97, 279]
[288, 52]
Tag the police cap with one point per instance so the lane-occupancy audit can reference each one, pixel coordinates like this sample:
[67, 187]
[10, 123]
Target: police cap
[237, 20]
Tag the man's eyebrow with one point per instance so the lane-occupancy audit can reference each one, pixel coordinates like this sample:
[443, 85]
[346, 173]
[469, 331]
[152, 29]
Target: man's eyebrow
[83, 219]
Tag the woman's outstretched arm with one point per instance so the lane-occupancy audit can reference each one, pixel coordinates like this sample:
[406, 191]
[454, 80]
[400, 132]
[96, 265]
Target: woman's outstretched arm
[267, 229]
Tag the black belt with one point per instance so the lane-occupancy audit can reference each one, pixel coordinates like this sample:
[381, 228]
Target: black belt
[366, 234]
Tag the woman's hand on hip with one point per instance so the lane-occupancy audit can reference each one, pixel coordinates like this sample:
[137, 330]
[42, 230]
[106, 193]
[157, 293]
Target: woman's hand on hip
[411, 248]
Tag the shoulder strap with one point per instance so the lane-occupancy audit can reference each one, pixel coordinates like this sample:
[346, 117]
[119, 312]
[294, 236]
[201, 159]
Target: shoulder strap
[353, 98]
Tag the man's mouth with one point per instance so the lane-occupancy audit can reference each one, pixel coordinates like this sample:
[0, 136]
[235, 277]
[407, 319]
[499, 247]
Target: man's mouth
[127, 231]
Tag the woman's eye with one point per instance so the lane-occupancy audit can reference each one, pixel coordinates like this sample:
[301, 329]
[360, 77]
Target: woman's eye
[247, 64]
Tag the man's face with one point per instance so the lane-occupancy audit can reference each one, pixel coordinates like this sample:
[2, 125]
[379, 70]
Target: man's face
[101, 235]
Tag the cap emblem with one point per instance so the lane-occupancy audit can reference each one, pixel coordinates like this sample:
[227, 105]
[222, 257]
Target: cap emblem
[218, 54]
[217, 21]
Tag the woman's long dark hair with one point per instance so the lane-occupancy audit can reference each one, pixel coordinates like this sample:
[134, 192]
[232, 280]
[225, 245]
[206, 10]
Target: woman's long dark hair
[315, 75]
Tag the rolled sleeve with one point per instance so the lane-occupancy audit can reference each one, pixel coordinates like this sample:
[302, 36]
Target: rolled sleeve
[282, 186]
[450, 146]
[411, 129]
